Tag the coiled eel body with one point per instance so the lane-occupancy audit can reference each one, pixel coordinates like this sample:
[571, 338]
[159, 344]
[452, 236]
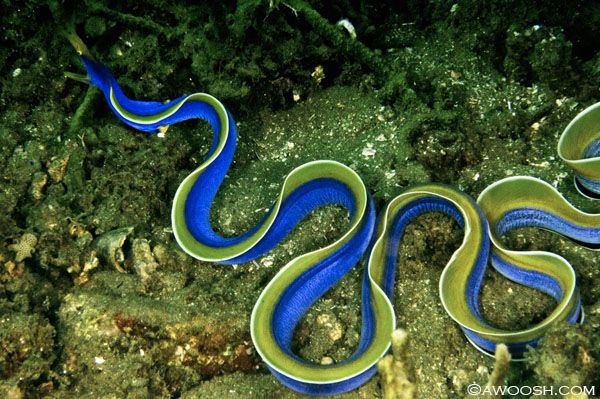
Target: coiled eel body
[505, 205]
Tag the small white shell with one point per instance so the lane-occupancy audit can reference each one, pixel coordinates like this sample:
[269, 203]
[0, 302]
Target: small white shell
[109, 246]
[344, 23]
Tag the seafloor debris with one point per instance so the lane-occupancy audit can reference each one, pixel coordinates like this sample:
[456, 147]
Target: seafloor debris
[110, 247]
[346, 24]
[501, 367]
[57, 167]
[144, 262]
[396, 376]
[38, 182]
[24, 247]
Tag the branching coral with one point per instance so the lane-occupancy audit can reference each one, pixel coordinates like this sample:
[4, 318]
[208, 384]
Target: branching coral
[394, 370]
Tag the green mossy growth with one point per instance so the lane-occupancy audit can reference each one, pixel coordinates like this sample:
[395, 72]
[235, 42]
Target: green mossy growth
[95, 26]
[540, 54]
[28, 351]
[564, 358]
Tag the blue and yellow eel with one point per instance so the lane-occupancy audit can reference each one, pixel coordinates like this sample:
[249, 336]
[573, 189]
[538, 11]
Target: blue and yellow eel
[507, 204]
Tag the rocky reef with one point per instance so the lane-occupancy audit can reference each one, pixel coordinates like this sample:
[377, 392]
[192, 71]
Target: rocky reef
[96, 298]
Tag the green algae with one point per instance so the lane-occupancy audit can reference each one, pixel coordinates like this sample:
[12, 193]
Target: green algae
[27, 350]
[564, 358]
[428, 91]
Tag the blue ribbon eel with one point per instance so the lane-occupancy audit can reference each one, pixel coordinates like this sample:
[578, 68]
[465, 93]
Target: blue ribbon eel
[579, 147]
[504, 205]
[524, 201]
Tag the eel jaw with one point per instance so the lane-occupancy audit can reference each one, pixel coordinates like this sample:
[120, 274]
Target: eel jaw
[78, 77]
[82, 51]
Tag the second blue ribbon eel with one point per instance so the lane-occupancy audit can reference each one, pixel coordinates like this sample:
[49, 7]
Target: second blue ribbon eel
[579, 147]
[507, 204]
